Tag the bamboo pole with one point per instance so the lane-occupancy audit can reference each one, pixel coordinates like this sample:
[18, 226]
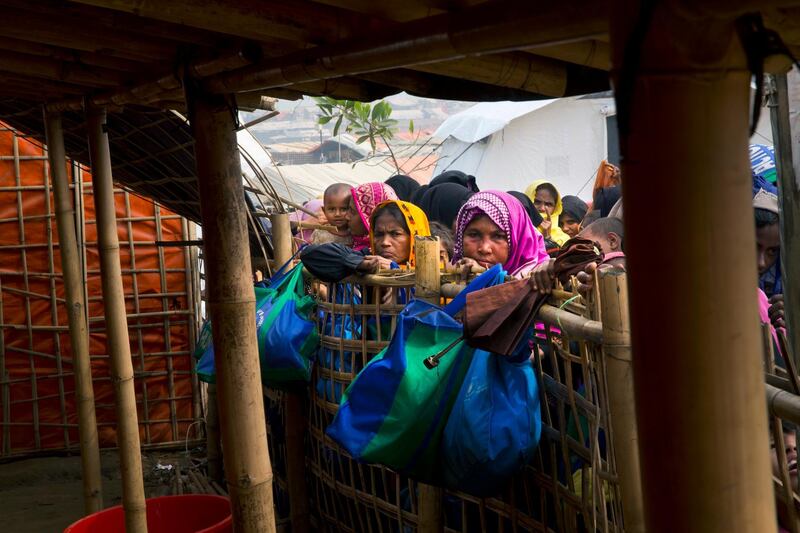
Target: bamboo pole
[701, 414]
[231, 305]
[119, 348]
[428, 281]
[790, 211]
[76, 307]
[295, 409]
[618, 362]
[213, 452]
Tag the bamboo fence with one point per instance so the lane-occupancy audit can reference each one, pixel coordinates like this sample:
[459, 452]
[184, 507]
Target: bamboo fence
[161, 297]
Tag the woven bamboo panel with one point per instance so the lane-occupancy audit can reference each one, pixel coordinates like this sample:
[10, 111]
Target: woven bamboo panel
[571, 485]
[36, 377]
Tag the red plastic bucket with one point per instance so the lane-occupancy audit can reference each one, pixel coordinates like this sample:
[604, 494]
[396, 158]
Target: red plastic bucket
[190, 513]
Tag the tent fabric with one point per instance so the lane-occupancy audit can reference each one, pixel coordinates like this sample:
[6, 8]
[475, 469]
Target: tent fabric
[562, 141]
[37, 359]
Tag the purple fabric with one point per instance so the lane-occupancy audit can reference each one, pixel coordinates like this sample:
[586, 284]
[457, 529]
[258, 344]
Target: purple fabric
[300, 216]
[367, 196]
[526, 247]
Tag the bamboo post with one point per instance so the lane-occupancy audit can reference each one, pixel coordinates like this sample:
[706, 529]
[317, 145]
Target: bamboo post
[76, 313]
[231, 306]
[119, 348]
[295, 410]
[790, 211]
[701, 416]
[428, 283]
[213, 453]
[618, 362]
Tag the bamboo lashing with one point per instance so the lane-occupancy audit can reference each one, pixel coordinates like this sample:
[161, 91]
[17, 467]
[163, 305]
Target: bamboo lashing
[231, 300]
[133, 500]
[618, 361]
[76, 311]
[295, 408]
[427, 287]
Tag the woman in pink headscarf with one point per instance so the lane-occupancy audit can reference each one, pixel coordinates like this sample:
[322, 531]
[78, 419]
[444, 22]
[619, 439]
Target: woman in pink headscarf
[493, 227]
[366, 198]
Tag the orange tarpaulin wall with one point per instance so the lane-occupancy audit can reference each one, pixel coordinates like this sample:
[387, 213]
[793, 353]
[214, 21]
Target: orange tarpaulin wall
[37, 389]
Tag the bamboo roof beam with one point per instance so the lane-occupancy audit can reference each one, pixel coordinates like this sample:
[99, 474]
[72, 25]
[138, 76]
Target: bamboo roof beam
[504, 27]
[302, 21]
[53, 69]
[516, 70]
[591, 53]
[90, 59]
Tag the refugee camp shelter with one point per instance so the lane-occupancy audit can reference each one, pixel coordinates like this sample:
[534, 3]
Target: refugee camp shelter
[139, 88]
[511, 144]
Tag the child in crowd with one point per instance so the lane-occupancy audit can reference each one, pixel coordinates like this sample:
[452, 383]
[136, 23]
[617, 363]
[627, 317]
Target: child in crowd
[335, 205]
[446, 242]
[790, 447]
[574, 211]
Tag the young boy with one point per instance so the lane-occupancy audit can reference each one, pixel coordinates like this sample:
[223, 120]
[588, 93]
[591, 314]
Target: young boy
[335, 205]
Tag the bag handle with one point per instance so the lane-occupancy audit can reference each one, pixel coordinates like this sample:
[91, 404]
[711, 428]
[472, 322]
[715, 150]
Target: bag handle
[487, 279]
[280, 272]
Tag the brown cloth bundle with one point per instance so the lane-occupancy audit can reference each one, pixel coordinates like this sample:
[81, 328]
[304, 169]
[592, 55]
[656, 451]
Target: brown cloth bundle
[496, 318]
[574, 256]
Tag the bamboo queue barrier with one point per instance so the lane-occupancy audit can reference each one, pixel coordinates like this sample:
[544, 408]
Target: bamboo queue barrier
[575, 481]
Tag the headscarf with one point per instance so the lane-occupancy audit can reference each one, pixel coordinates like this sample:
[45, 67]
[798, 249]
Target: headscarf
[574, 207]
[304, 235]
[404, 186]
[533, 213]
[526, 247]
[608, 175]
[416, 221]
[556, 235]
[606, 199]
[367, 196]
[416, 198]
[455, 176]
[765, 196]
[441, 203]
[762, 162]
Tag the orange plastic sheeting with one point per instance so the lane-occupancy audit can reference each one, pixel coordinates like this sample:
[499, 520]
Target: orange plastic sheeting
[37, 389]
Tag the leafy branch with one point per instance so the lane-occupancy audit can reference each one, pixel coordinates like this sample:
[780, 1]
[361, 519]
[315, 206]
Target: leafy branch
[367, 122]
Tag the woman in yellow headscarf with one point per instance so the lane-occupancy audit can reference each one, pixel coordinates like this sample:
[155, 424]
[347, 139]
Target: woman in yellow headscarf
[393, 226]
[547, 200]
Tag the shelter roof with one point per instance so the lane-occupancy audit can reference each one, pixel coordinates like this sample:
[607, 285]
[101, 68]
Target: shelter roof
[135, 56]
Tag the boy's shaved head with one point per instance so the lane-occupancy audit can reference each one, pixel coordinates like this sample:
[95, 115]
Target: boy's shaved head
[337, 189]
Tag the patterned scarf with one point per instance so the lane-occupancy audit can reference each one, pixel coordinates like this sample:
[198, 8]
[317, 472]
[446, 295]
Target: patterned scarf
[367, 196]
[526, 246]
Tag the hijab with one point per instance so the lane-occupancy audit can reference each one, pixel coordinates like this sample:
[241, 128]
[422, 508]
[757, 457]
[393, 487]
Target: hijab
[367, 196]
[574, 207]
[556, 235]
[606, 199]
[441, 203]
[526, 247]
[416, 221]
[416, 198]
[533, 214]
[404, 186]
[455, 176]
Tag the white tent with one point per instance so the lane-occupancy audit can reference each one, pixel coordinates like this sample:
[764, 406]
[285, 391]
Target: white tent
[507, 145]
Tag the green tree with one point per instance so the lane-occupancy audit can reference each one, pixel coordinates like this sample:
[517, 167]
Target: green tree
[368, 122]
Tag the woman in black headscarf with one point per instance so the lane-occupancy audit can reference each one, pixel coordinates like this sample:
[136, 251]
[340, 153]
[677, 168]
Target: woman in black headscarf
[441, 203]
[404, 186]
[533, 213]
[455, 176]
[573, 211]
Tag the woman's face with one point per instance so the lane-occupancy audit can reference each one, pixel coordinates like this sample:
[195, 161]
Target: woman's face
[569, 225]
[768, 246]
[354, 221]
[544, 201]
[391, 239]
[485, 242]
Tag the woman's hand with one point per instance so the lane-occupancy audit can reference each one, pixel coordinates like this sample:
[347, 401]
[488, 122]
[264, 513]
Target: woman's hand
[543, 277]
[372, 264]
[545, 226]
[776, 311]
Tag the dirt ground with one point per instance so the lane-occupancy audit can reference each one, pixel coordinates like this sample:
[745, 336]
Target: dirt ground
[44, 495]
